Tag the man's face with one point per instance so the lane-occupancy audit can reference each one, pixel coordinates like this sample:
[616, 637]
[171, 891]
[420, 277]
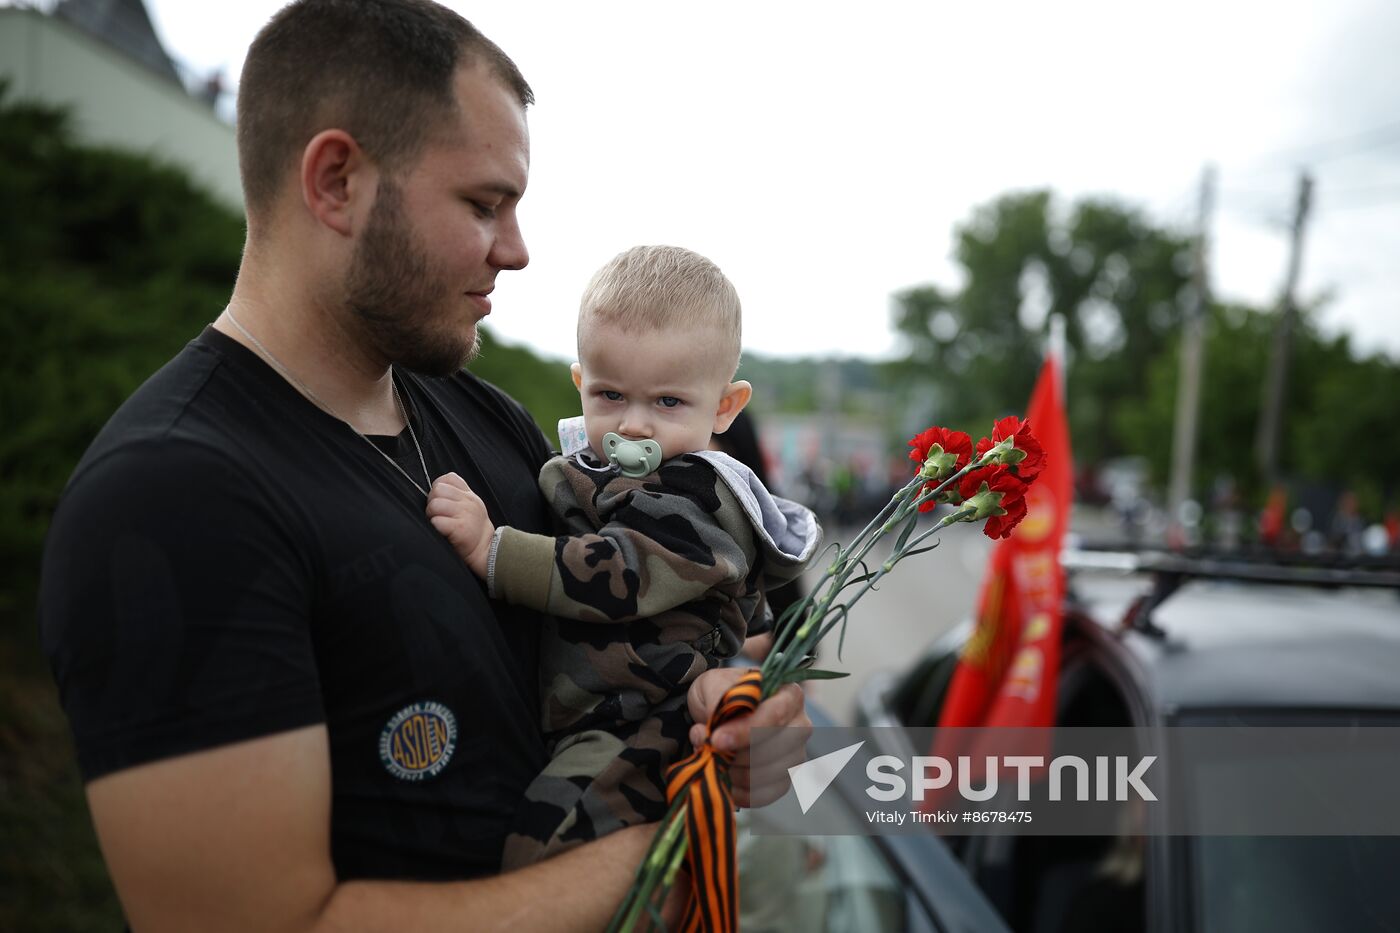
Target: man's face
[661, 385]
[439, 232]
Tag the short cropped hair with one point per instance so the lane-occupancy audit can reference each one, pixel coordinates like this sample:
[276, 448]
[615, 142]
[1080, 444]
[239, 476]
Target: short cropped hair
[656, 287]
[382, 70]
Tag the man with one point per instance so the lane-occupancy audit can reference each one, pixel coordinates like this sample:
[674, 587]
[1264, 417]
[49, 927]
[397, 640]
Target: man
[294, 706]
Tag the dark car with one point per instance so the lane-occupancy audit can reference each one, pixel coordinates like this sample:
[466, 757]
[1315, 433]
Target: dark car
[854, 883]
[1162, 641]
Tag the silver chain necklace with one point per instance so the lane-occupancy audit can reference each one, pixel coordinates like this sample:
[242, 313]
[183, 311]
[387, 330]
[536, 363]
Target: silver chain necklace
[302, 387]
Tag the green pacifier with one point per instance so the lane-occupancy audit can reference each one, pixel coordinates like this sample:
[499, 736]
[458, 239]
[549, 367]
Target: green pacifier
[634, 458]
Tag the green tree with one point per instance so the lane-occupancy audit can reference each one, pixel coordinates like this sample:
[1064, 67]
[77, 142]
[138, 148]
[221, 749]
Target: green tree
[1120, 282]
[1343, 429]
[1338, 414]
[543, 386]
[1115, 278]
[110, 263]
[1235, 359]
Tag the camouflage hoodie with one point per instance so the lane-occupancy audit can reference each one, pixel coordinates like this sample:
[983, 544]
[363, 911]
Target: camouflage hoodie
[652, 581]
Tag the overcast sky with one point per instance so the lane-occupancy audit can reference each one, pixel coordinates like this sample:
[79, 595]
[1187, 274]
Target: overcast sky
[823, 157]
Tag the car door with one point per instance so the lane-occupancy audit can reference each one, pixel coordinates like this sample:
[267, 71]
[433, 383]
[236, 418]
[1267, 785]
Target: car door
[854, 881]
[1031, 883]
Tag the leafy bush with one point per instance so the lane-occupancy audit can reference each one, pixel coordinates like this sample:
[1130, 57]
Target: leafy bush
[110, 264]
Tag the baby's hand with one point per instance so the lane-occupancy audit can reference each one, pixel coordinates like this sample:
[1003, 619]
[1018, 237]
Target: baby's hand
[460, 516]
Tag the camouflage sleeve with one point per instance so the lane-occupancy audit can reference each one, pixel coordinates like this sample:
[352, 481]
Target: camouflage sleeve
[663, 545]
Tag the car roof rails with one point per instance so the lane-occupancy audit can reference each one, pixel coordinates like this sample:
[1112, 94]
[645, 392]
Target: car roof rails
[1170, 569]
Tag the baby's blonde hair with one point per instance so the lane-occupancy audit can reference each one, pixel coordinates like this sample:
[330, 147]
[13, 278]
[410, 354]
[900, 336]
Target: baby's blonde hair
[656, 287]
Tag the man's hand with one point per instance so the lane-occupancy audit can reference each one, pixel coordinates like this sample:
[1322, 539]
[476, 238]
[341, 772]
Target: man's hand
[784, 710]
[460, 516]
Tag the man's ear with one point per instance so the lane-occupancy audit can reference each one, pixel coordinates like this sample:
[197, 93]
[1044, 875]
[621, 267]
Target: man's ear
[736, 396]
[576, 371]
[336, 179]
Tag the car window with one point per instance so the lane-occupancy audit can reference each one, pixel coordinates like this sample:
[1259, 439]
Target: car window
[804, 884]
[1249, 883]
[1252, 883]
[917, 696]
[1047, 884]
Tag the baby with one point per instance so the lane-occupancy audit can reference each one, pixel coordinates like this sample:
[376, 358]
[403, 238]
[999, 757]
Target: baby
[665, 548]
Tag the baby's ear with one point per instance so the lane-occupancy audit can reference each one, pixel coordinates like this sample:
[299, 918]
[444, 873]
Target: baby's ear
[736, 396]
[576, 371]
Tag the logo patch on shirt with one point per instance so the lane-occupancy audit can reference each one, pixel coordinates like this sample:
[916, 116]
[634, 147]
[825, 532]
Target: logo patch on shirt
[419, 741]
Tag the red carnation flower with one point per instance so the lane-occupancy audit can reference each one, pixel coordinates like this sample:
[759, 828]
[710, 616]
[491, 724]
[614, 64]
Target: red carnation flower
[998, 479]
[1004, 490]
[999, 526]
[957, 448]
[1030, 466]
[953, 442]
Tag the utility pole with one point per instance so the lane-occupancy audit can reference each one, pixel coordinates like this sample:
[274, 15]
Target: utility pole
[1276, 386]
[1188, 389]
[1057, 347]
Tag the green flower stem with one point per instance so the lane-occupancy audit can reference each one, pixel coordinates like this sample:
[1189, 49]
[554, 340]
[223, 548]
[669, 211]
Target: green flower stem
[678, 858]
[819, 611]
[657, 871]
[799, 630]
[950, 519]
[836, 575]
[840, 568]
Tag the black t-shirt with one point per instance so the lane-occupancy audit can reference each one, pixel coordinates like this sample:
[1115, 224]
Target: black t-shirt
[228, 561]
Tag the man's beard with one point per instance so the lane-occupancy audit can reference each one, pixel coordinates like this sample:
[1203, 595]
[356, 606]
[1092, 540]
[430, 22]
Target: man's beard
[395, 294]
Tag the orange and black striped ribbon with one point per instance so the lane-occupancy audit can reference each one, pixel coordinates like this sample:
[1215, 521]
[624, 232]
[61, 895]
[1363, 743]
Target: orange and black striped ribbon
[703, 778]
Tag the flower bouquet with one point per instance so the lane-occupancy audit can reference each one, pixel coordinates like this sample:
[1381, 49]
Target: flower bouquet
[986, 484]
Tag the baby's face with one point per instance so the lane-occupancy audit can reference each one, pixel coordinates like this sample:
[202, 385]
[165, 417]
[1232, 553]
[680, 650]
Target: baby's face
[668, 385]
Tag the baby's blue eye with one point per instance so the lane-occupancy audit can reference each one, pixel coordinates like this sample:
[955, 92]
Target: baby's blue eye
[612, 396]
[669, 401]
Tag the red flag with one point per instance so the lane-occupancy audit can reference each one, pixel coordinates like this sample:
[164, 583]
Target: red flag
[1007, 674]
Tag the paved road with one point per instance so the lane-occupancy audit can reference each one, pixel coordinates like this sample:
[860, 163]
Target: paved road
[925, 596]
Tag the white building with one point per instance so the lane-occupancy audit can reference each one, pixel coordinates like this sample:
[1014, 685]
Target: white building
[101, 60]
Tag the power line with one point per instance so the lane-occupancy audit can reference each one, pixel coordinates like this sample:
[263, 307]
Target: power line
[1364, 191]
[1264, 206]
[1355, 144]
[1328, 207]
